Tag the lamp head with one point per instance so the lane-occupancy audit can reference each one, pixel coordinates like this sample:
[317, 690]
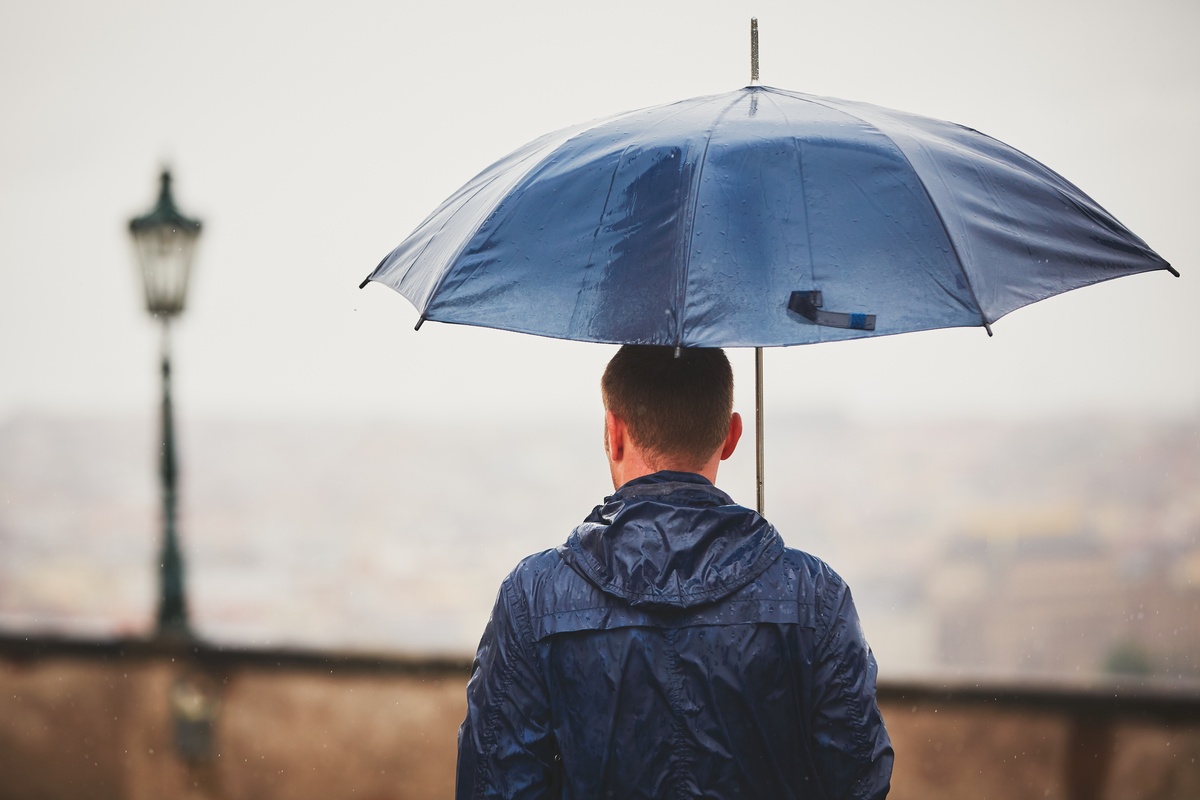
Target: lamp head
[165, 241]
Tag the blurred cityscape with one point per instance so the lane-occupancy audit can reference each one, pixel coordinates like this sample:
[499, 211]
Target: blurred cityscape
[1018, 548]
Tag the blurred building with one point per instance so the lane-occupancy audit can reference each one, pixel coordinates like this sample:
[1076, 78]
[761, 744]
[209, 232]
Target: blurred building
[1046, 594]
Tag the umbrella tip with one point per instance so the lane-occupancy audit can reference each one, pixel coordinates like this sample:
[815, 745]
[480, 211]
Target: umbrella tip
[754, 51]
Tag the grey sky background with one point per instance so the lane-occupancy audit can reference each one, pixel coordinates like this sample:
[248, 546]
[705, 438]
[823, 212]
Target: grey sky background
[312, 137]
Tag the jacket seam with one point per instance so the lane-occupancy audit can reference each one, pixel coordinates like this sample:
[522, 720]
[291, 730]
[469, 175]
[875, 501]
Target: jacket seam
[840, 674]
[526, 639]
[522, 618]
[671, 610]
[679, 740]
[825, 614]
[491, 723]
[857, 707]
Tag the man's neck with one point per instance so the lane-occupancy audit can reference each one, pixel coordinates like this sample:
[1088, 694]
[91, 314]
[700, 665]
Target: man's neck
[630, 469]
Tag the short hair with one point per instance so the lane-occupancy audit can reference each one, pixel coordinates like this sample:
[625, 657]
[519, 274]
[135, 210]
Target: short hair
[675, 404]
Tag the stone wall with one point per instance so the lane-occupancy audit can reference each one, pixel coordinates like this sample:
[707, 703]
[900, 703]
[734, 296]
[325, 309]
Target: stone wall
[105, 729]
[109, 725]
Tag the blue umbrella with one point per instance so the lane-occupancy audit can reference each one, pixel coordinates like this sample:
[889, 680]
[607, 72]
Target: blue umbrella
[759, 217]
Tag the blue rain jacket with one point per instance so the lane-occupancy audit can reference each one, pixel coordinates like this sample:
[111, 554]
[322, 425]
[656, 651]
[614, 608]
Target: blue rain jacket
[673, 648]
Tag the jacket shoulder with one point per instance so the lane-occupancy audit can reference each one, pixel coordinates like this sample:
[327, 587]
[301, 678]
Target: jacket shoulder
[810, 570]
[536, 569]
[811, 583]
[546, 580]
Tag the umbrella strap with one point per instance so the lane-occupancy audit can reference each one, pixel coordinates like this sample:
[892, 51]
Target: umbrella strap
[808, 305]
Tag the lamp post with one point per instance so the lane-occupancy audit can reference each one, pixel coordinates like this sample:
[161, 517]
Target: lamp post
[165, 240]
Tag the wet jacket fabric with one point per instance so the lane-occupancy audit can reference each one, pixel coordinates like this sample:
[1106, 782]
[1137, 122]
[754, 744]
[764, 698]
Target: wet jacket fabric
[673, 648]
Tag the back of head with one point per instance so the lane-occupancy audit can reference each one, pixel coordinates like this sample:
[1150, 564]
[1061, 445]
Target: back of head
[676, 408]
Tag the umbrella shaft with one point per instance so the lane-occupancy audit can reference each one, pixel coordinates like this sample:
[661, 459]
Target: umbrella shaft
[758, 427]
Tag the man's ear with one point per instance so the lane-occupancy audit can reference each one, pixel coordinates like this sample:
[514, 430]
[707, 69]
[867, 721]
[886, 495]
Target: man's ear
[614, 430]
[731, 438]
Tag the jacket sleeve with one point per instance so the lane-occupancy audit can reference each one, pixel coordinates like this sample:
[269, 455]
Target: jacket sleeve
[851, 747]
[506, 746]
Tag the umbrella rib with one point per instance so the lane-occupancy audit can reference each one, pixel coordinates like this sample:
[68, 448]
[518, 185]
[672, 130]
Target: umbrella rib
[681, 107]
[691, 221]
[580, 297]
[812, 276]
[538, 158]
[917, 176]
[472, 187]
[540, 152]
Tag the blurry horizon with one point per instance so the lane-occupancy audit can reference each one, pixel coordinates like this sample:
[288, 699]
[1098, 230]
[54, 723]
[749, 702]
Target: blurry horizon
[1053, 547]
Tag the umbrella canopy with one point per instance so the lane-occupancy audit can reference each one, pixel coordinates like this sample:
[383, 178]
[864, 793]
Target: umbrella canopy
[759, 217]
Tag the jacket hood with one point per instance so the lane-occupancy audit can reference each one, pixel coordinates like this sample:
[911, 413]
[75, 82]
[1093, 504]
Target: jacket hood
[671, 539]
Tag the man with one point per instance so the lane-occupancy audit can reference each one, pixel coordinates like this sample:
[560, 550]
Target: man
[673, 647]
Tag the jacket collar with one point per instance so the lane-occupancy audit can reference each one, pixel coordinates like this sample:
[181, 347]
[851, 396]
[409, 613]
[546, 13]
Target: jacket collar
[666, 482]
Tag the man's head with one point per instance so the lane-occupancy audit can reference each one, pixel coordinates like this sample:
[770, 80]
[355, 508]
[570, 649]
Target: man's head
[676, 411]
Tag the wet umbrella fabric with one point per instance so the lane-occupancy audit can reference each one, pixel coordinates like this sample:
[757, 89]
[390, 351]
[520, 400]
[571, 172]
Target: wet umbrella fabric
[759, 217]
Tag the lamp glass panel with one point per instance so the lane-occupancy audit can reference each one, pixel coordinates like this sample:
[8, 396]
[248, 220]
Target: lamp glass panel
[165, 255]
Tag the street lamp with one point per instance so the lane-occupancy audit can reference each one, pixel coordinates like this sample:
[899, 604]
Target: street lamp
[165, 240]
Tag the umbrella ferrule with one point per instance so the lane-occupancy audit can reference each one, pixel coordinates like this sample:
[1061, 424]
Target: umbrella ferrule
[754, 51]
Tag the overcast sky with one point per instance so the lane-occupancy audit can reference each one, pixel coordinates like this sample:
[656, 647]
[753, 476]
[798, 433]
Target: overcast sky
[312, 137]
